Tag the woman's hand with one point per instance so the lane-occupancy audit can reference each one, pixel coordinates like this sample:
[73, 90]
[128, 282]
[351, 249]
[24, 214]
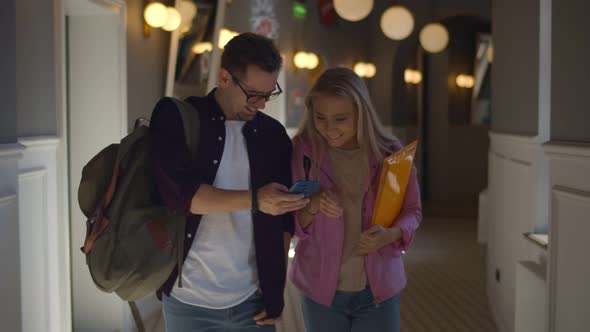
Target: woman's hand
[376, 237]
[320, 201]
[327, 203]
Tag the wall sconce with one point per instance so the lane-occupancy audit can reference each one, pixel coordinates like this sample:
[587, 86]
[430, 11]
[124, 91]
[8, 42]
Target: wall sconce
[306, 60]
[157, 15]
[202, 47]
[365, 69]
[412, 76]
[397, 23]
[465, 81]
[225, 35]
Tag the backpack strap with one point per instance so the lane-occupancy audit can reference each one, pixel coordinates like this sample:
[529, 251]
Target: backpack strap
[192, 129]
[136, 316]
[99, 222]
[191, 123]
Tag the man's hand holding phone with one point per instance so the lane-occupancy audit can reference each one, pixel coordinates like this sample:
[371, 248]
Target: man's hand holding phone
[274, 199]
[307, 188]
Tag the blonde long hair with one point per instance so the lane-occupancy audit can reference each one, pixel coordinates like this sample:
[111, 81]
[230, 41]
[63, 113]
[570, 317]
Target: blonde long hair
[371, 134]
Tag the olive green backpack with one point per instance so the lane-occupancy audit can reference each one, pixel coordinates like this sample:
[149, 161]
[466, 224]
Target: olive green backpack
[133, 242]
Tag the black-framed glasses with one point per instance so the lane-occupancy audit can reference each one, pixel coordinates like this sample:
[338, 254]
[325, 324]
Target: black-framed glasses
[253, 98]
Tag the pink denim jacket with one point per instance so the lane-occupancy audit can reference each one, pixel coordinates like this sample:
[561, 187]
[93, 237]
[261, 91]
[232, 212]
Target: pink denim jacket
[315, 268]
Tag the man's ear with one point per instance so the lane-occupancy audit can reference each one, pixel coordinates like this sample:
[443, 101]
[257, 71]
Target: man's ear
[224, 78]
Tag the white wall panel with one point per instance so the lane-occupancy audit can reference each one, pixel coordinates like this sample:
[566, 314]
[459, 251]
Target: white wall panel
[10, 283]
[33, 231]
[517, 187]
[531, 298]
[569, 294]
[44, 239]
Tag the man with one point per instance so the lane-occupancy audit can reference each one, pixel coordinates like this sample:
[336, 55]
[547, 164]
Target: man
[234, 196]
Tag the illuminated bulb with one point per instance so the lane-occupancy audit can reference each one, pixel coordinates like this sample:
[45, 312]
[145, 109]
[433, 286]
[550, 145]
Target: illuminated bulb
[412, 76]
[353, 10]
[434, 37]
[155, 14]
[397, 23]
[225, 36]
[360, 69]
[300, 60]
[465, 81]
[174, 20]
[202, 47]
[312, 60]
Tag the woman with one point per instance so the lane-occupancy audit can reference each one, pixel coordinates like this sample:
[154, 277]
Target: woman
[349, 271]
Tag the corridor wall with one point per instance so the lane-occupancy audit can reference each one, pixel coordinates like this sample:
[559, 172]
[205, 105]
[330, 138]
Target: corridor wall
[538, 161]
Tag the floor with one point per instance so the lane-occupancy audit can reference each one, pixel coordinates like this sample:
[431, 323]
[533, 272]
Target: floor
[446, 286]
[446, 279]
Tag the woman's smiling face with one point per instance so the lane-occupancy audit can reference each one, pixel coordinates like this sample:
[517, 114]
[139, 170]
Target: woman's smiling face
[335, 118]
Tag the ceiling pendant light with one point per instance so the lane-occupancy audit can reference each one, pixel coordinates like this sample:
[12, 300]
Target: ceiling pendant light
[397, 23]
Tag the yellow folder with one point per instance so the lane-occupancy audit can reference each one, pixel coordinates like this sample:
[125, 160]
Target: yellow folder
[393, 184]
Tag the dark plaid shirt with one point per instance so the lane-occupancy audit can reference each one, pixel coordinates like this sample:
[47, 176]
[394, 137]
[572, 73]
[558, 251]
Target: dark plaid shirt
[179, 178]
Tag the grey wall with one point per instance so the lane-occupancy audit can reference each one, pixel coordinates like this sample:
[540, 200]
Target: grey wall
[438, 133]
[147, 63]
[570, 72]
[338, 44]
[384, 52]
[8, 72]
[515, 72]
[35, 68]
[450, 182]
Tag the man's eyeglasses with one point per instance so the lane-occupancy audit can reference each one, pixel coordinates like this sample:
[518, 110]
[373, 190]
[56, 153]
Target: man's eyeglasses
[253, 98]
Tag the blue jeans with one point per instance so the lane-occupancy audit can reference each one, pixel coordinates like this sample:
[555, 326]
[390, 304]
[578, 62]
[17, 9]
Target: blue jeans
[182, 317]
[352, 311]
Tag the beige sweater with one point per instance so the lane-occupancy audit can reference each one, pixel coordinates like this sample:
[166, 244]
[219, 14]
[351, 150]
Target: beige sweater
[350, 172]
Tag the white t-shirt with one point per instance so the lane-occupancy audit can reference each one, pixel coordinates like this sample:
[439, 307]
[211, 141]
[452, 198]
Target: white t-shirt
[220, 269]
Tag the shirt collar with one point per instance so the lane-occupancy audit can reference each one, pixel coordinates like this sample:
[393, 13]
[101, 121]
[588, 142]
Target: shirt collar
[252, 125]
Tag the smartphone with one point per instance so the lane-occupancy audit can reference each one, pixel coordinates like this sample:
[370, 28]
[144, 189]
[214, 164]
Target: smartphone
[307, 188]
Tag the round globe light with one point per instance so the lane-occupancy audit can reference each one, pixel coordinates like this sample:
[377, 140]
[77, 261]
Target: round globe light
[187, 10]
[174, 20]
[397, 23]
[353, 10]
[155, 14]
[434, 37]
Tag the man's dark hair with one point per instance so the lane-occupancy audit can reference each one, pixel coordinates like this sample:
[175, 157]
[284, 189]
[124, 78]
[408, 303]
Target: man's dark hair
[250, 49]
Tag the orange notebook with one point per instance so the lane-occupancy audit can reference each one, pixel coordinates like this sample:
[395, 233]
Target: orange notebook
[392, 185]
